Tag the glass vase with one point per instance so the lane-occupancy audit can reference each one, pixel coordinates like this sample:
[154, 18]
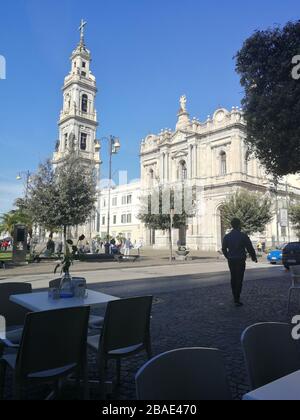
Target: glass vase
[66, 286]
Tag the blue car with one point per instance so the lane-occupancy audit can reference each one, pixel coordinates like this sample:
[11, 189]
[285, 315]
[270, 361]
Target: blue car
[275, 257]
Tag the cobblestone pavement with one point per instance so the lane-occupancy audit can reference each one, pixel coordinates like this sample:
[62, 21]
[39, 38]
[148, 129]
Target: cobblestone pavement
[204, 316]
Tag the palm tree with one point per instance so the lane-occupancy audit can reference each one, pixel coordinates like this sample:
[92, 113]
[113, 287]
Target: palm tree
[12, 218]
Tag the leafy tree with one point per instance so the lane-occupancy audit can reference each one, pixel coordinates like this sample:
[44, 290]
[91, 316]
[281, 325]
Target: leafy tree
[14, 217]
[254, 211]
[272, 97]
[164, 201]
[64, 196]
[294, 215]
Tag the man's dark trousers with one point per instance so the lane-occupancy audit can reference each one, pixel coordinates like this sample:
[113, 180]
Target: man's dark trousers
[237, 270]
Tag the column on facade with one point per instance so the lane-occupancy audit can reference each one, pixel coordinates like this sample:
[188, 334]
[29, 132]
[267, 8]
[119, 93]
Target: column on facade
[167, 166]
[195, 161]
[190, 164]
[161, 167]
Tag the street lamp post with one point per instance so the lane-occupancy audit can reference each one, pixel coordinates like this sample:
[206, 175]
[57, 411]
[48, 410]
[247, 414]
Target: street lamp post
[26, 176]
[274, 190]
[288, 209]
[114, 147]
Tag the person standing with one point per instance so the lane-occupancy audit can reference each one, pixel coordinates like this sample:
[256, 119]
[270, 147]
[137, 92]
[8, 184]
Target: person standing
[127, 247]
[235, 247]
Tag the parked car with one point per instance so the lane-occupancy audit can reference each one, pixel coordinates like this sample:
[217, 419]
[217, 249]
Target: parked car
[291, 254]
[275, 256]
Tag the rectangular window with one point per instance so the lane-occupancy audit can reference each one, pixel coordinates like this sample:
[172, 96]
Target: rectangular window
[83, 141]
[66, 140]
[284, 232]
[83, 64]
[124, 200]
[115, 201]
[83, 74]
[129, 199]
[115, 220]
[103, 220]
[123, 218]
[129, 218]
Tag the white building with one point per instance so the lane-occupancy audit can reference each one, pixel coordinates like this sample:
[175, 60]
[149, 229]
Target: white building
[124, 209]
[211, 158]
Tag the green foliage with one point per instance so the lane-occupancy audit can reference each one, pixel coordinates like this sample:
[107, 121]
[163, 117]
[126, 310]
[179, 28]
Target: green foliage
[295, 217]
[14, 217]
[63, 197]
[254, 211]
[272, 97]
[162, 220]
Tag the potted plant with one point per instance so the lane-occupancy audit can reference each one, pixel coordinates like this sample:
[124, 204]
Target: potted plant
[66, 287]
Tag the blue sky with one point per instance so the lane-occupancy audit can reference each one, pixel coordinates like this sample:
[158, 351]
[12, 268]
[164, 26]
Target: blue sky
[146, 53]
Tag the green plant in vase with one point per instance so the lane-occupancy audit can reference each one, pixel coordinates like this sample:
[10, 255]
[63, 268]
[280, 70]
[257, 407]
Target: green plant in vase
[66, 288]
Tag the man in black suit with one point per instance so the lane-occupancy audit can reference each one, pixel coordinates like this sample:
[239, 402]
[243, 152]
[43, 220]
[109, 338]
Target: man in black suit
[235, 247]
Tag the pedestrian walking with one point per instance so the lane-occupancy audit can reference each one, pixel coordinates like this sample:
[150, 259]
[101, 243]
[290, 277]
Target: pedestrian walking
[236, 244]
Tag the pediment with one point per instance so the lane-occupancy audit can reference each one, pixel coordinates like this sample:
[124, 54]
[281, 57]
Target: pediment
[179, 136]
[180, 154]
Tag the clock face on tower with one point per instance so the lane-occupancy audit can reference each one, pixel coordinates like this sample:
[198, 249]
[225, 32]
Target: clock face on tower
[220, 116]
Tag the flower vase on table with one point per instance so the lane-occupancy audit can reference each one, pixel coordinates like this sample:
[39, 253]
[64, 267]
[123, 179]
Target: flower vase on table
[66, 286]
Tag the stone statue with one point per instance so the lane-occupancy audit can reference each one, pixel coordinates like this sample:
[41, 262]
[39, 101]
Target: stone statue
[183, 102]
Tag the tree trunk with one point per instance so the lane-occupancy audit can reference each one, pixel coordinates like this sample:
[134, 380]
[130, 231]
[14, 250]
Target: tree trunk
[171, 244]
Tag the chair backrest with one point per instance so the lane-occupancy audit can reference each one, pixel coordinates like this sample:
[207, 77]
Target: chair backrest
[126, 323]
[14, 314]
[184, 374]
[52, 340]
[270, 353]
[295, 272]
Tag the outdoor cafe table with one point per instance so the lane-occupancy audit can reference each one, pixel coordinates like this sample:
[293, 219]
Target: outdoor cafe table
[285, 389]
[40, 301]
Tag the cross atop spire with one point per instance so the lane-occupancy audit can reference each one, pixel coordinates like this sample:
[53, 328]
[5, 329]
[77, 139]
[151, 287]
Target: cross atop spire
[81, 29]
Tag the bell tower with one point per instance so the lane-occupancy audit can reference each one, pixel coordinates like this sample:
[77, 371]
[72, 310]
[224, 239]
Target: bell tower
[78, 118]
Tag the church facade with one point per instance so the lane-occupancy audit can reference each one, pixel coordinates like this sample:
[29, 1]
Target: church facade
[212, 160]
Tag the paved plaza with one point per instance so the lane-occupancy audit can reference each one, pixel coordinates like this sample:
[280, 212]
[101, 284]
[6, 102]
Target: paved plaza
[192, 307]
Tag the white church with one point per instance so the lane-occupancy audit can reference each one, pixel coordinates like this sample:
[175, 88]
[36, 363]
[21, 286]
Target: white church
[210, 157]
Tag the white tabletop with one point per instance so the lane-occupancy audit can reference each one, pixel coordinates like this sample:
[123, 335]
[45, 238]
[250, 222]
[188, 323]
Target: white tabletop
[37, 302]
[285, 389]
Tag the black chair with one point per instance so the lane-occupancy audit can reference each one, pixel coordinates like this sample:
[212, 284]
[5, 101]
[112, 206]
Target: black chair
[184, 375]
[126, 332]
[53, 346]
[270, 353]
[95, 322]
[14, 314]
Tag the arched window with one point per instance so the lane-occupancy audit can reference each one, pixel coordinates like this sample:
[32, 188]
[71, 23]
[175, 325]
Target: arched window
[247, 159]
[151, 177]
[182, 171]
[223, 163]
[84, 103]
[83, 139]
